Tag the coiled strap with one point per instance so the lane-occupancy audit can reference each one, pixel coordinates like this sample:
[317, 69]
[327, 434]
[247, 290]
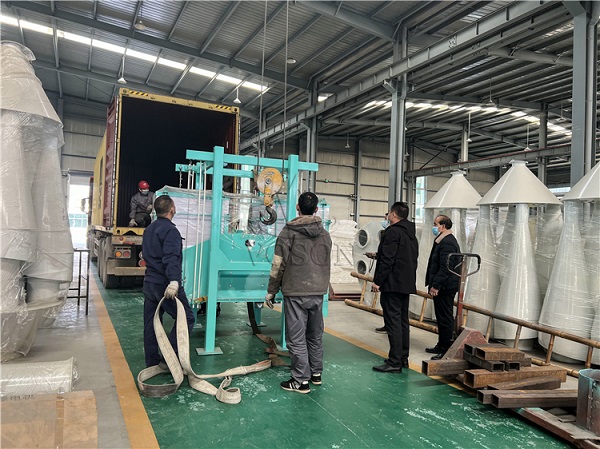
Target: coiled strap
[180, 367]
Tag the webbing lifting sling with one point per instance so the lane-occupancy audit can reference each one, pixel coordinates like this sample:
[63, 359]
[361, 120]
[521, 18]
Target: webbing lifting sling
[180, 367]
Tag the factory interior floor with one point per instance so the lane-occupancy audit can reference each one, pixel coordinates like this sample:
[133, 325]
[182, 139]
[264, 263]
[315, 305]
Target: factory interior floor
[355, 407]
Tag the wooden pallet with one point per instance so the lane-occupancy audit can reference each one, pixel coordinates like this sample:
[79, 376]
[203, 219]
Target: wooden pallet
[562, 423]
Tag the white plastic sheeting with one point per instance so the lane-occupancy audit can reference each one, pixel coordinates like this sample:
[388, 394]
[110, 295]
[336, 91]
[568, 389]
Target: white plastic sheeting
[343, 234]
[24, 379]
[568, 305]
[549, 226]
[34, 231]
[482, 288]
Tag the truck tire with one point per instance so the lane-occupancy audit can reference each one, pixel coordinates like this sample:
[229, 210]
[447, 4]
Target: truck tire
[90, 246]
[108, 280]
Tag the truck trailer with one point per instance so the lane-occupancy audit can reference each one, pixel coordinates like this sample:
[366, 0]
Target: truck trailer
[146, 136]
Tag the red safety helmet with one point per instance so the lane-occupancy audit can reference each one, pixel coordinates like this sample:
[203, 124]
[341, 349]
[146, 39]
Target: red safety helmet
[143, 185]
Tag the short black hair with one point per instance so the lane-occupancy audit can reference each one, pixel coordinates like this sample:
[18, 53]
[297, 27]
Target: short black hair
[163, 204]
[307, 202]
[444, 220]
[400, 208]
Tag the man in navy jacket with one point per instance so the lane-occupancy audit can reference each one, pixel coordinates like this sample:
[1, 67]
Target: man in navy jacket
[395, 276]
[443, 284]
[162, 249]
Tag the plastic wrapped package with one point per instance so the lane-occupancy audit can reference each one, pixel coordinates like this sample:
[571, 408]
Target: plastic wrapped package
[506, 230]
[343, 233]
[24, 379]
[482, 288]
[31, 134]
[549, 225]
[12, 288]
[519, 294]
[425, 243]
[568, 305]
[18, 327]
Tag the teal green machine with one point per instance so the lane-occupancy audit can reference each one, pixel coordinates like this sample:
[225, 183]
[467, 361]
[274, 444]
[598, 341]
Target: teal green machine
[236, 269]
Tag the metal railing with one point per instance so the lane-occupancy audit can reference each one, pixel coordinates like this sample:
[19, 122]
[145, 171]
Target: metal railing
[82, 278]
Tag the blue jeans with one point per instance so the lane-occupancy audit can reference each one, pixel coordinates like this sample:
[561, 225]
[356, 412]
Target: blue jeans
[153, 293]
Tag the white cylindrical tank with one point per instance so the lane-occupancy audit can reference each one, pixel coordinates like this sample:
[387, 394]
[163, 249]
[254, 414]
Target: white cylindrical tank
[548, 234]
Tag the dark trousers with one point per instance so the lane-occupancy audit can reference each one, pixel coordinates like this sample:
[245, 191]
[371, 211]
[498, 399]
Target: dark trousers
[443, 304]
[153, 293]
[395, 318]
[143, 219]
[304, 334]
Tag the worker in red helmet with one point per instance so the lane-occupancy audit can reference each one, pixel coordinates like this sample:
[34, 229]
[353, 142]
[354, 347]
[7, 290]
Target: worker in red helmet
[141, 206]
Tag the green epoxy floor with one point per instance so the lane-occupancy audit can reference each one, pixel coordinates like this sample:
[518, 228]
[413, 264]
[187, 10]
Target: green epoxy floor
[354, 408]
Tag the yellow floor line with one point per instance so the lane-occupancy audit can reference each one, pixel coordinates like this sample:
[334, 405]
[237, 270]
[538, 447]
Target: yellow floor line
[139, 429]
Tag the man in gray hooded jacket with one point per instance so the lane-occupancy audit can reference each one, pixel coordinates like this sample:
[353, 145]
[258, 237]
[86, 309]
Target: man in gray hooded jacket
[301, 268]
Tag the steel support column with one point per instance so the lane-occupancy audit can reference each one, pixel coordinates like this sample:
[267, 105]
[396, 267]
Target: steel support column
[311, 141]
[398, 128]
[464, 145]
[543, 143]
[357, 178]
[584, 89]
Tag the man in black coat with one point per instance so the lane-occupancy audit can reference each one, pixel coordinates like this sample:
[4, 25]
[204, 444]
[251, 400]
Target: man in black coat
[395, 277]
[443, 284]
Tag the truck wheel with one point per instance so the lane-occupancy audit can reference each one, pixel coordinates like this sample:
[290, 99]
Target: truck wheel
[110, 281]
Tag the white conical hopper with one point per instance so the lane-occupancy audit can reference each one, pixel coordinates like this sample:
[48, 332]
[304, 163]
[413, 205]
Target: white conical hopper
[519, 295]
[549, 228]
[457, 193]
[503, 249]
[595, 334]
[568, 305]
[591, 251]
[482, 288]
[588, 187]
[425, 244]
[518, 185]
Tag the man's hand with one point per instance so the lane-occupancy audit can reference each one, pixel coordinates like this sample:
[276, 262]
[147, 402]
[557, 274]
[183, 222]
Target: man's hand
[171, 290]
[270, 300]
[149, 208]
[132, 223]
[374, 288]
[433, 292]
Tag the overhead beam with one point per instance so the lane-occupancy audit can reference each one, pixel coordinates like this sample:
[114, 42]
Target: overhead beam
[487, 32]
[66, 16]
[359, 21]
[531, 56]
[217, 29]
[492, 161]
[44, 65]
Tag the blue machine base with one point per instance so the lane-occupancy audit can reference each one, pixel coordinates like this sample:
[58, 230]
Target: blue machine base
[216, 351]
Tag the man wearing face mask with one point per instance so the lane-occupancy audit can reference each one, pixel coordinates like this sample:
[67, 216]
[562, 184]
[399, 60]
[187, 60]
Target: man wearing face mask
[395, 277]
[442, 284]
[141, 206]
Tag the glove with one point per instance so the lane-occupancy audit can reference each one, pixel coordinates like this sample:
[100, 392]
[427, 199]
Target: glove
[171, 290]
[269, 300]
[132, 222]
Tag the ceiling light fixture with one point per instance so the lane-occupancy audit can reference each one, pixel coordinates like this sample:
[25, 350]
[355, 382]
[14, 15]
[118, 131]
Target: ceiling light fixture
[469, 130]
[139, 25]
[347, 141]
[237, 96]
[122, 79]
[291, 60]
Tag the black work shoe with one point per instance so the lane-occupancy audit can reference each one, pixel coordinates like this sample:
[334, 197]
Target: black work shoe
[315, 379]
[439, 356]
[385, 368]
[294, 385]
[381, 330]
[404, 362]
[435, 350]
